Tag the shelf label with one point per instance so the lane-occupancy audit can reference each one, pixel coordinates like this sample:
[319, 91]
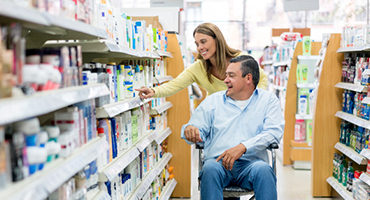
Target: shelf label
[365, 177]
[120, 163]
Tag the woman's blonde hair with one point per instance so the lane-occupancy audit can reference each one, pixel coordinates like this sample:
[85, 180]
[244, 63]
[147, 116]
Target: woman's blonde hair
[223, 51]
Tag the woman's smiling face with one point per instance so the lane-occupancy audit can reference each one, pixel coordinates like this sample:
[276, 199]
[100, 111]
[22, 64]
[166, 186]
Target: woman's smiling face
[206, 45]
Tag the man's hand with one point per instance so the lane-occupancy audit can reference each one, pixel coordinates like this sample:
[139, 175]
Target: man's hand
[145, 92]
[192, 134]
[231, 155]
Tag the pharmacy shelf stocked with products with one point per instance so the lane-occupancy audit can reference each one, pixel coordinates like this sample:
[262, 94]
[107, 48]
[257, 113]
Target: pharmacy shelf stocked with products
[56, 27]
[365, 177]
[113, 109]
[339, 188]
[142, 187]
[164, 53]
[358, 158]
[43, 183]
[19, 108]
[352, 87]
[166, 194]
[125, 158]
[353, 119]
[297, 141]
[353, 49]
[161, 108]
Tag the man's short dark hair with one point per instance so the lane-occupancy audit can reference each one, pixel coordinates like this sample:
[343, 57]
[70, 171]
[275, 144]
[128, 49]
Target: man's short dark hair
[248, 65]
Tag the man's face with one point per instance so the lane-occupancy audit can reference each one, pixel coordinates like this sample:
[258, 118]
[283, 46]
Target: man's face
[236, 84]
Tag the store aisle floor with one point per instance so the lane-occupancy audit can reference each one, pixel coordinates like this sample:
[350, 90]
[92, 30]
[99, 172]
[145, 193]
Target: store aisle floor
[292, 184]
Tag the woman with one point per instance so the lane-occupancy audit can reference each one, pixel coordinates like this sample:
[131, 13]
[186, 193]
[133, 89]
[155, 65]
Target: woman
[208, 70]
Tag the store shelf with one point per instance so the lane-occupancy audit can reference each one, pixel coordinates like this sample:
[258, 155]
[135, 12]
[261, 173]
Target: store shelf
[366, 100]
[149, 177]
[283, 63]
[358, 158]
[314, 57]
[169, 188]
[365, 177]
[267, 62]
[162, 79]
[366, 153]
[298, 116]
[339, 188]
[278, 87]
[353, 119]
[113, 109]
[163, 135]
[160, 109]
[366, 72]
[43, 183]
[306, 85]
[26, 16]
[105, 49]
[353, 49]
[352, 87]
[146, 140]
[118, 164]
[19, 108]
[164, 54]
[163, 162]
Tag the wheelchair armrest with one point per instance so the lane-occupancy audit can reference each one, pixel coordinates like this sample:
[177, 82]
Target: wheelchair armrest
[199, 145]
[273, 146]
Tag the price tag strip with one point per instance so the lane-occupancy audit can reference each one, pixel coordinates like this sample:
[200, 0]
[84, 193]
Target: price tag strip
[353, 119]
[166, 194]
[163, 135]
[339, 188]
[365, 177]
[358, 158]
[350, 86]
[149, 138]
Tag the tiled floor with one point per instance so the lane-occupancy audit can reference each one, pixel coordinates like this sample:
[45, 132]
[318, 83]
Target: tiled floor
[292, 184]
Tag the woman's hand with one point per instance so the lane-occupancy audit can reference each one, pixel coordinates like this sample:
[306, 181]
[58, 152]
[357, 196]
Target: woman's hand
[145, 92]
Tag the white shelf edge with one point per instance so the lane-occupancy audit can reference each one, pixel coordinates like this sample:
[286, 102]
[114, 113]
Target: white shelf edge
[353, 49]
[366, 72]
[278, 87]
[163, 135]
[146, 140]
[44, 182]
[365, 153]
[102, 195]
[19, 108]
[339, 188]
[298, 116]
[276, 64]
[352, 87]
[25, 14]
[163, 162]
[267, 62]
[113, 109]
[312, 57]
[164, 53]
[366, 100]
[119, 163]
[353, 119]
[350, 153]
[146, 181]
[306, 85]
[162, 79]
[365, 177]
[166, 194]
[160, 109]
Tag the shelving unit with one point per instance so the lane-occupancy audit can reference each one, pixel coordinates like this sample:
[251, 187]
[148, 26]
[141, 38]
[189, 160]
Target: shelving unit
[102, 195]
[353, 119]
[276, 64]
[306, 85]
[164, 54]
[298, 116]
[267, 62]
[113, 109]
[160, 109]
[365, 177]
[19, 108]
[168, 190]
[149, 177]
[352, 154]
[353, 49]
[366, 72]
[278, 87]
[290, 148]
[163, 135]
[366, 153]
[326, 127]
[43, 183]
[366, 100]
[339, 188]
[352, 87]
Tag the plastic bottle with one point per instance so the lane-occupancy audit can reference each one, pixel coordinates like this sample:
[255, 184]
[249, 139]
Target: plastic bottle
[306, 45]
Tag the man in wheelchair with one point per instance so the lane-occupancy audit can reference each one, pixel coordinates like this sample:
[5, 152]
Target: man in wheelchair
[237, 126]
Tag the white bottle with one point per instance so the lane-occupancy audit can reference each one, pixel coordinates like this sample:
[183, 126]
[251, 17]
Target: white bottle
[302, 105]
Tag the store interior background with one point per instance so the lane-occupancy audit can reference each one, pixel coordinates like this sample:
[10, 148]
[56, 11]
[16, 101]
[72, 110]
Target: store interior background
[250, 29]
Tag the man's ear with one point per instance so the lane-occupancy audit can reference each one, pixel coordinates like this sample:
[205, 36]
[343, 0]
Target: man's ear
[249, 78]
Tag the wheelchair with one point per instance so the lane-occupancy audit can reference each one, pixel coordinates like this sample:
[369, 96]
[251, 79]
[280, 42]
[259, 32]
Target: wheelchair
[234, 192]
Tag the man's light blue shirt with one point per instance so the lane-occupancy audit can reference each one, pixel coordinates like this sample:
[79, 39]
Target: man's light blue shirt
[223, 125]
